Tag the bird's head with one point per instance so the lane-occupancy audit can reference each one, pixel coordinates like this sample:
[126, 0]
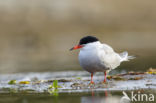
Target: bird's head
[84, 41]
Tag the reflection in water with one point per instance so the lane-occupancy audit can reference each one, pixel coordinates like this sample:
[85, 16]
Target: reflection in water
[106, 98]
[96, 98]
[83, 97]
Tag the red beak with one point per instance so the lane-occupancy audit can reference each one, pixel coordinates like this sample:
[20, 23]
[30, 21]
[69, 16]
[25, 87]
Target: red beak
[76, 47]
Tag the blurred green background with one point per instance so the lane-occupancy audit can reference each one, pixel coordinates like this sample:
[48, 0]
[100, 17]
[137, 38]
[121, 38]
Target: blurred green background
[36, 35]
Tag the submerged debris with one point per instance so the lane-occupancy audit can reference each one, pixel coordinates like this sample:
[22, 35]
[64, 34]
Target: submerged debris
[64, 80]
[122, 78]
[116, 77]
[135, 78]
[132, 73]
[11, 82]
[59, 80]
[77, 85]
[55, 84]
[151, 71]
[24, 82]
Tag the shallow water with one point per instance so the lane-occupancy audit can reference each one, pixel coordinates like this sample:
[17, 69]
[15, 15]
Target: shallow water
[74, 87]
[75, 81]
[89, 97]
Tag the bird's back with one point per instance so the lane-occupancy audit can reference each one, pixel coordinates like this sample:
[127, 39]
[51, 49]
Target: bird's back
[97, 57]
[109, 57]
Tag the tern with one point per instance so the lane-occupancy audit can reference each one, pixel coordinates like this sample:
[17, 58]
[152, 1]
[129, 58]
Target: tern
[97, 57]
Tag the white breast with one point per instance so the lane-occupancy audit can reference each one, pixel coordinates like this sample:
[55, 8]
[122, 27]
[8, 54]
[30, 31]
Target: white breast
[97, 57]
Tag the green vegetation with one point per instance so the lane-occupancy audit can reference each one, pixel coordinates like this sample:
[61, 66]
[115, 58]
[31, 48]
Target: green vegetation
[12, 82]
[53, 89]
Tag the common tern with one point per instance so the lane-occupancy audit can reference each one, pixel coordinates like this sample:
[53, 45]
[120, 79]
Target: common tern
[97, 57]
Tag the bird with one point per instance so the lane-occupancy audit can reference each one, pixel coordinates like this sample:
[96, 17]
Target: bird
[95, 56]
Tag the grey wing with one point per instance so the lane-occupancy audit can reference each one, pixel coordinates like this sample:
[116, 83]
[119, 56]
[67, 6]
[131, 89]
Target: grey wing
[110, 58]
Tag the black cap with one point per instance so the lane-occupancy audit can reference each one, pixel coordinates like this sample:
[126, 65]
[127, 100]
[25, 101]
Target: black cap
[88, 39]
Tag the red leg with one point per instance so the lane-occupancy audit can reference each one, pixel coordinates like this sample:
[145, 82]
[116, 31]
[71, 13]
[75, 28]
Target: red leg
[91, 79]
[105, 77]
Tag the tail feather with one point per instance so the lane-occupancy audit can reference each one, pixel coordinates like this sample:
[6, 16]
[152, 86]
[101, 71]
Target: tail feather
[131, 57]
[124, 56]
